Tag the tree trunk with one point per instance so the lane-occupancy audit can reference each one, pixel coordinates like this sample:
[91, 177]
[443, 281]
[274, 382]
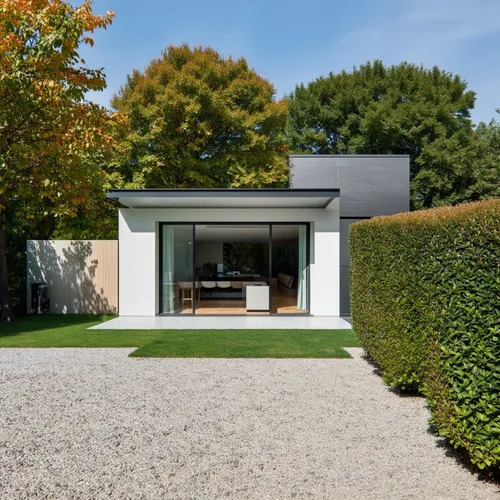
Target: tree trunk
[5, 310]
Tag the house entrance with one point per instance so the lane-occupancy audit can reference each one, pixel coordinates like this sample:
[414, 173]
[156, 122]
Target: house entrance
[234, 269]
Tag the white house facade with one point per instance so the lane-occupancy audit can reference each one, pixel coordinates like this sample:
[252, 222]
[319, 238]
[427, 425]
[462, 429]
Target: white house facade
[241, 251]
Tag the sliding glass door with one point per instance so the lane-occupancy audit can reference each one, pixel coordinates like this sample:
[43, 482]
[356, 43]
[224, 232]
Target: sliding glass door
[232, 261]
[290, 268]
[244, 268]
[177, 273]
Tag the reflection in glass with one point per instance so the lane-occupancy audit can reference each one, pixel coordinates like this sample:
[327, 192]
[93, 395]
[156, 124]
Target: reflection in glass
[290, 269]
[177, 269]
[302, 269]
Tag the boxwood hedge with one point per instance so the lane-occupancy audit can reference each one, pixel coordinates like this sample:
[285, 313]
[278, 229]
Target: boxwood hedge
[425, 304]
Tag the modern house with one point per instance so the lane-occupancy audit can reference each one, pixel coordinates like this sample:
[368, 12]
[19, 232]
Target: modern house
[253, 251]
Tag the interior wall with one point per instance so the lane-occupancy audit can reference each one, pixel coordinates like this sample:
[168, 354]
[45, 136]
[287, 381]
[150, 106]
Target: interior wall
[285, 259]
[208, 252]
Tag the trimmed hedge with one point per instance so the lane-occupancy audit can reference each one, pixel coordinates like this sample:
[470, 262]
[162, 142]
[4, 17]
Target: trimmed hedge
[425, 304]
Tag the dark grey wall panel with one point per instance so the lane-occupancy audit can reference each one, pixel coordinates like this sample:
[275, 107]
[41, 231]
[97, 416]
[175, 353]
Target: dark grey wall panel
[312, 172]
[371, 161]
[373, 190]
[345, 302]
[344, 240]
[345, 309]
[356, 209]
[374, 183]
[370, 185]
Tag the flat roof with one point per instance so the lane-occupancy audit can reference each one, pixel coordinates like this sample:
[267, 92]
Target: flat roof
[347, 156]
[224, 198]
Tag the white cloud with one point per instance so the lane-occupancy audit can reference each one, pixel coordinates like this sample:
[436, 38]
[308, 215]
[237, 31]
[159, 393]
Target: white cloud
[454, 20]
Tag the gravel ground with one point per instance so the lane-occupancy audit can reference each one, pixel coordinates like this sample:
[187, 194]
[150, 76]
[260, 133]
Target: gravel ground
[92, 423]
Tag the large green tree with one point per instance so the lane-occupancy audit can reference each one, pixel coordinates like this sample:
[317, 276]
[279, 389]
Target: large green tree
[50, 137]
[486, 174]
[402, 109]
[197, 119]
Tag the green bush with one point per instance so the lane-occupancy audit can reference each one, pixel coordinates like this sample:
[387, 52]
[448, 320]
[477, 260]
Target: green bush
[425, 304]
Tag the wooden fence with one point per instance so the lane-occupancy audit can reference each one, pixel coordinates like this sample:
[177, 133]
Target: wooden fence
[82, 274]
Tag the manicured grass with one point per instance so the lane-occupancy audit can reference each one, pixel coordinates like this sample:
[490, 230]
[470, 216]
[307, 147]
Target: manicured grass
[250, 344]
[71, 331]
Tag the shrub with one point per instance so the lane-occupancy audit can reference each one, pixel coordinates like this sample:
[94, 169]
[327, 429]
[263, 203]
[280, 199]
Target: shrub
[425, 304]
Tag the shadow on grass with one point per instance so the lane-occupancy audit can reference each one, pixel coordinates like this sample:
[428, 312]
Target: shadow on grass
[40, 322]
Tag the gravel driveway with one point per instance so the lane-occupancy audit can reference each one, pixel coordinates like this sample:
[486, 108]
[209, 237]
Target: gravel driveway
[93, 423]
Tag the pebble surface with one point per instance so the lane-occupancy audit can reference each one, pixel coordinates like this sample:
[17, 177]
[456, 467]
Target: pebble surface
[93, 423]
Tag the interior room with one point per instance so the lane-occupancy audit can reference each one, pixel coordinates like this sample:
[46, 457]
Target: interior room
[238, 269]
[230, 259]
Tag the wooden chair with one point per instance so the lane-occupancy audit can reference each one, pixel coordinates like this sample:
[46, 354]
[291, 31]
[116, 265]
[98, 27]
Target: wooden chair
[185, 286]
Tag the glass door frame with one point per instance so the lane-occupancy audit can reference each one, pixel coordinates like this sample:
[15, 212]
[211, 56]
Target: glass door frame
[270, 250]
[159, 276]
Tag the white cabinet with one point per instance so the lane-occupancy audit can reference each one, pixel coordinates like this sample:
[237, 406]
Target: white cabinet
[257, 297]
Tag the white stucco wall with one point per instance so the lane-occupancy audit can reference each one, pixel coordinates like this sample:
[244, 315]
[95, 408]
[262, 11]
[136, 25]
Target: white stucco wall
[138, 251]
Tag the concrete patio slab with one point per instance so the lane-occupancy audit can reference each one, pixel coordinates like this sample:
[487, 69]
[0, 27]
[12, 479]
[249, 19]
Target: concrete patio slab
[224, 323]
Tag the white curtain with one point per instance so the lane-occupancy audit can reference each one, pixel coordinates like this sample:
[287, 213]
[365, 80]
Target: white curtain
[168, 269]
[302, 282]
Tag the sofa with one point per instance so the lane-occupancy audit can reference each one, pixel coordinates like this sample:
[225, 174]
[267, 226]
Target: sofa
[285, 280]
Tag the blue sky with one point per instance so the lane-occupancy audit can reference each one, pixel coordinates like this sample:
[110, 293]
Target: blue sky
[291, 42]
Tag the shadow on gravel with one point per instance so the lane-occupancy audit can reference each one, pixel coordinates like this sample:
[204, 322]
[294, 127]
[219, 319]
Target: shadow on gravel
[462, 458]
[378, 372]
[376, 369]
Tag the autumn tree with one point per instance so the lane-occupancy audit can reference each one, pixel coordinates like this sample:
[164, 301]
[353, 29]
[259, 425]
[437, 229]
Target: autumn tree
[403, 109]
[197, 119]
[50, 136]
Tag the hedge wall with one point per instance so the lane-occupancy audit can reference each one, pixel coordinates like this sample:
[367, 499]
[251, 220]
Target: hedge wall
[425, 304]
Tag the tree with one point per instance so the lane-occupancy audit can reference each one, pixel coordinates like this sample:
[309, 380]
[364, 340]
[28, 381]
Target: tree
[486, 175]
[50, 137]
[489, 133]
[196, 119]
[403, 109]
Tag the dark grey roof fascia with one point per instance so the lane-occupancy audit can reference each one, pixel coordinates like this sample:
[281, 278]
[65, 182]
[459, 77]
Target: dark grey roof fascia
[116, 194]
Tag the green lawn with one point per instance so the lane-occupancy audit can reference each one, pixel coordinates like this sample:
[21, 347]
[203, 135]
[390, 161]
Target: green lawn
[71, 331]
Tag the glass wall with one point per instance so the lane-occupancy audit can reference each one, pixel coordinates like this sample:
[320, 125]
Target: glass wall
[290, 268]
[177, 272]
[209, 268]
[231, 258]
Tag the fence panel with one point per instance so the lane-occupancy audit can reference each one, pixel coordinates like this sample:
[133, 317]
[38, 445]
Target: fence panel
[82, 274]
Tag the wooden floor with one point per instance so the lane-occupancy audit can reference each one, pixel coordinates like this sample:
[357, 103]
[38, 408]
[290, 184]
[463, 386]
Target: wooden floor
[284, 301]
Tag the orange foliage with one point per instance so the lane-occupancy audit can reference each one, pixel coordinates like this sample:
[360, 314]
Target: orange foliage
[46, 126]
